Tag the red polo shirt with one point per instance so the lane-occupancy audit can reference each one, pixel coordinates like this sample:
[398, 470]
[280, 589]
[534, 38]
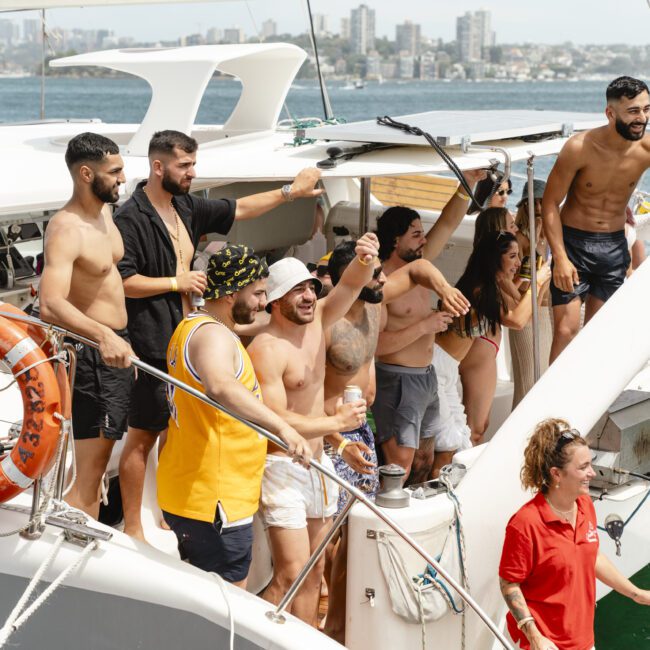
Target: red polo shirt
[556, 568]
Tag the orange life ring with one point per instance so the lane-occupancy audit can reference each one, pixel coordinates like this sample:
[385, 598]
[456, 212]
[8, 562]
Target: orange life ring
[39, 387]
[39, 335]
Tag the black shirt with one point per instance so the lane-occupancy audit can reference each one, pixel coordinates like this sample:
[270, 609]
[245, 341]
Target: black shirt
[148, 251]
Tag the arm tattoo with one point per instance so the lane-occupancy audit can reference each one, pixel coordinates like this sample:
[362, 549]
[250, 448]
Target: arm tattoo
[514, 598]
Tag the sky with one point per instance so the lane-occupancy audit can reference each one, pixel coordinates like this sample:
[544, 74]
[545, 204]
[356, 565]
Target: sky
[515, 21]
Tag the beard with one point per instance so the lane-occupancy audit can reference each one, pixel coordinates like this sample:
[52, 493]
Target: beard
[624, 130]
[242, 313]
[171, 186]
[105, 193]
[291, 313]
[410, 255]
[371, 296]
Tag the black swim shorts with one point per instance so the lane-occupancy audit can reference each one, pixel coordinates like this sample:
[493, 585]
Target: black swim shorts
[225, 551]
[601, 259]
[100, 400]
[149, 409]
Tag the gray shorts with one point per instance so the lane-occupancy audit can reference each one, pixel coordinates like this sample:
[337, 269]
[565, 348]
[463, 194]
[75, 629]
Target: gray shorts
[406, 405]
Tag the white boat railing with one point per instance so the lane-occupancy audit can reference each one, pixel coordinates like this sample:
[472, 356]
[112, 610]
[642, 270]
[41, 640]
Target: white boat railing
[355, 493]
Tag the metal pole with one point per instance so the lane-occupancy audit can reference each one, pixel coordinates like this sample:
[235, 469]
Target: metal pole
[532, 238]
[364, 206]
[35, 529]
[42, 111]
[276, 616]
[163, 376]
[72, 368]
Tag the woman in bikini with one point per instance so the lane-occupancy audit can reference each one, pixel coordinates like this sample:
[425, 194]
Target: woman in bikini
[489, 284]
[478, 371]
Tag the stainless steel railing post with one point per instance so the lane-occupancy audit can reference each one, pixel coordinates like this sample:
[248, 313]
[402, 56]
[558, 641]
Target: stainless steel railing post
[532, 238]
[163, 376]
[72, 368]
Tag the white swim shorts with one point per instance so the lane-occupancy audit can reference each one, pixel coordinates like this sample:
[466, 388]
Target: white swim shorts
[292, 494]
[450, 430]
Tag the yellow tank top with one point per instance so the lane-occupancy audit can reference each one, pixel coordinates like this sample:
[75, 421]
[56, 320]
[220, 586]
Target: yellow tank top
[209, 457]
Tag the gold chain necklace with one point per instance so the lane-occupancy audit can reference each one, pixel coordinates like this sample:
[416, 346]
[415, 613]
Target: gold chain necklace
[565, 513]
[177, 237]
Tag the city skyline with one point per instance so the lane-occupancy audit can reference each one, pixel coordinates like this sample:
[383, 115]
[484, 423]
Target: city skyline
[581, 21]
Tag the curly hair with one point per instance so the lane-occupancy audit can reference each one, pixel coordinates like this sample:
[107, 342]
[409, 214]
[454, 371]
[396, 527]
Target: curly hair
[392, 224]
[543, 452]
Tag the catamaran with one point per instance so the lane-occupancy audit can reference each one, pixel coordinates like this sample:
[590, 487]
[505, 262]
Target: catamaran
[420, 575]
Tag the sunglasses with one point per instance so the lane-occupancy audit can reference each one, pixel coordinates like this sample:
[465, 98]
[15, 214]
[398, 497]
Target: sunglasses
[565, 438]
[377, 272]
[503, 192]
[322, 271]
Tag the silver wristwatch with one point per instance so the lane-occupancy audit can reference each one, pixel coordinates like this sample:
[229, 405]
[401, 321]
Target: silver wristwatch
[286, 192]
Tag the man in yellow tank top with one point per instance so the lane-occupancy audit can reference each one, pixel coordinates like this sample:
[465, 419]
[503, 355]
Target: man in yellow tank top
[210, 470]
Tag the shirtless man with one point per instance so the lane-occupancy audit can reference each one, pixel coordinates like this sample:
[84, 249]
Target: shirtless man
[406, 401]
[289, 360]
[161, 225]
[351, 344]
[597, 172]
[81, 290]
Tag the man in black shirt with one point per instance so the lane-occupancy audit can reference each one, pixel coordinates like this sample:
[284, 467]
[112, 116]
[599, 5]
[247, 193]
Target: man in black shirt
[161, 225]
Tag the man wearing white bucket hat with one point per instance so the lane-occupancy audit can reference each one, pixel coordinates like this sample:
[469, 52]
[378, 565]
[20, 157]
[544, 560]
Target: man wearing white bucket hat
[289, 360]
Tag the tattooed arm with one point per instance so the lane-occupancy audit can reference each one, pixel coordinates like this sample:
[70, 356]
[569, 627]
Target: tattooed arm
[516, 603]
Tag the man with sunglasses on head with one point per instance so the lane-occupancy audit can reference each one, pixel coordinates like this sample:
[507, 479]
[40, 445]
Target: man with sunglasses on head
[596, 172]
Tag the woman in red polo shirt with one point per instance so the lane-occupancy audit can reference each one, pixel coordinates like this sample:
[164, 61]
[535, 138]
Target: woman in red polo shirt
[550, 558]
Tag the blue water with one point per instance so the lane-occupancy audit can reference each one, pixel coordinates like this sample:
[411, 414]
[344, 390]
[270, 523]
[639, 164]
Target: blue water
[620, 624]
[126, 100]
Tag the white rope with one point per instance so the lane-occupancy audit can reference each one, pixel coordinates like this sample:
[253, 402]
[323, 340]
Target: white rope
[55, 357]
[231, 619]
[16, 619]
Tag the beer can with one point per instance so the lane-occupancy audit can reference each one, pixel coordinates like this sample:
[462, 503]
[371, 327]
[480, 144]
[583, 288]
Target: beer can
[352, 394]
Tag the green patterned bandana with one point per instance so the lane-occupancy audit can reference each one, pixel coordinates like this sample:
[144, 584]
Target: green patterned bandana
[231, 269]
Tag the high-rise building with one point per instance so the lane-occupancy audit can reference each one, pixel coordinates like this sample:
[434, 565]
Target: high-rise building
[474, 35]
[269, 28]
[213, 35]
[321, 24]
[362, 29]
[408, 37]
[32, 30]
[233, 35]
[345, 28]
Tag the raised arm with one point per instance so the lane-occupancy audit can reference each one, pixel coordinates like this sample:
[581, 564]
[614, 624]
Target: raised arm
[520, 313]
[270, 368]
[566, 167]
[357, 274]
[391, 341]
[255, 205]
[423, 273]
[211, 342]
[450, 217]
[62, 248]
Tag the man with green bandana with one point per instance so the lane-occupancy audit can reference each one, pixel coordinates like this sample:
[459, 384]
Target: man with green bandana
[210, 470]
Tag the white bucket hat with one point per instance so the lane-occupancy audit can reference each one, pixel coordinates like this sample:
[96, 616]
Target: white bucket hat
[284, 275]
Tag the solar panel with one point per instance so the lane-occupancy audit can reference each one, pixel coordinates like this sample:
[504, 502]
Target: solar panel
[455, 127]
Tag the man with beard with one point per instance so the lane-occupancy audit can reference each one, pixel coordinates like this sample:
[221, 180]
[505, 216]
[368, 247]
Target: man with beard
[289, 358]
[81, 290]
[597, 172]
[407, 393]
[211, 466]
[161, 225]
[351, 344]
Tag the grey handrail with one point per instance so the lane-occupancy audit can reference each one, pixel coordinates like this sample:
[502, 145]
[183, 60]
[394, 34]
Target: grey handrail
[163, 376]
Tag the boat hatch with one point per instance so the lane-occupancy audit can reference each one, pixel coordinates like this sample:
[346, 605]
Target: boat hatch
[461, 127]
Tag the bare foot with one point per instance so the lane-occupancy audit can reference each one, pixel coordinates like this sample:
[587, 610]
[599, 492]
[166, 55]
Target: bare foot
[136, 533]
